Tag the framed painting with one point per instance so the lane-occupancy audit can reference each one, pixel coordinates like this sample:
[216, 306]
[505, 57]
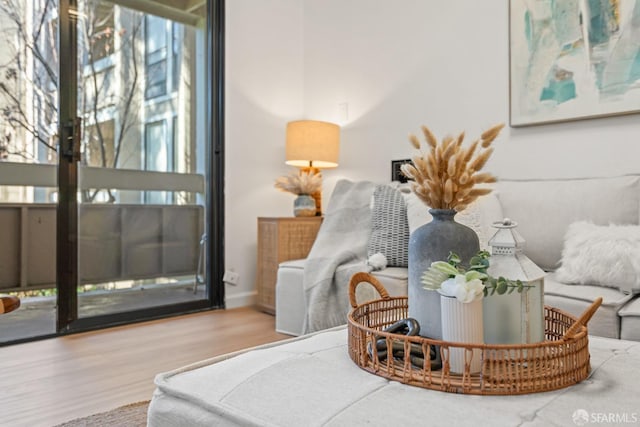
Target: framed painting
[573, 59]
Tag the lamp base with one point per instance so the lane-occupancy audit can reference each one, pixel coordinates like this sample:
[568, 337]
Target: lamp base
[318, 198]
[318, 194]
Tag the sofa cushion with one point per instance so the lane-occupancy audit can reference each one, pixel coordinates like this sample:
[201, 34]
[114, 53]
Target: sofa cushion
[399, 274]
[389, 226]
[630, 320]
[290, 308]
[544, 209]
[602, 256]
[575, 299]
[290, 304]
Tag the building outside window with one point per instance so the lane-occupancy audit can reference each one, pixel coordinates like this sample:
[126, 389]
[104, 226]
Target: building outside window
[155, 56]
[100, 29]
[176, 41]
[158, 157]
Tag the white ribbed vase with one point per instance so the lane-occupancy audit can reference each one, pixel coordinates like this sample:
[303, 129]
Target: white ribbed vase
[462, 322]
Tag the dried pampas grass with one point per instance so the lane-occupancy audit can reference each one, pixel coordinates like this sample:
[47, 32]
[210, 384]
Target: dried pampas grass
[445, 174]
[304, 182]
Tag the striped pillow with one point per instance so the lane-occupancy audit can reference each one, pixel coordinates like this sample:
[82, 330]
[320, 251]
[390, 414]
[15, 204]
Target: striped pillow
[389, 226]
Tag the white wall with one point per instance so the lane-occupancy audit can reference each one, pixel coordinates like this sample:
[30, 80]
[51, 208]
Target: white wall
[402, 64]
[397, 65]
[264, 72]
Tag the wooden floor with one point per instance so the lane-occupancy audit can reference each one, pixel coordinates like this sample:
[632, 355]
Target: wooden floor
[47, 382]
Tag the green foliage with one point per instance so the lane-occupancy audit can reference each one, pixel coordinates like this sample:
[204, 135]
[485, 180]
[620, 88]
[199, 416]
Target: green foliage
[502, 285]
[478, 266]
[480, 262]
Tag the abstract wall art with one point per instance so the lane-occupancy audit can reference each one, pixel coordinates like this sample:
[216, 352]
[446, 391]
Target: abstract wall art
[573, 59]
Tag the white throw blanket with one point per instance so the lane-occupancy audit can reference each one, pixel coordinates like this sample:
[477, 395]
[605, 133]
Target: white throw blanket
[340, 250]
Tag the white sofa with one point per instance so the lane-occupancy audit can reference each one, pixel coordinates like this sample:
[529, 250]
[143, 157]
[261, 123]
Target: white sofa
[544, 210]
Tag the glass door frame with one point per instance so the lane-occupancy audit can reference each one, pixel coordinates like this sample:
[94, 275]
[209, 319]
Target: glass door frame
[69, 151]
[67, 218]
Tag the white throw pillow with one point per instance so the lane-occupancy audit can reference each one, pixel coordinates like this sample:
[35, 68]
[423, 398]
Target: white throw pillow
[602, 255]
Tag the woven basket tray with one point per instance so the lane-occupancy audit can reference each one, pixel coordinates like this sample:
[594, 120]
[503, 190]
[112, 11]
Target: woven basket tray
[559, 361]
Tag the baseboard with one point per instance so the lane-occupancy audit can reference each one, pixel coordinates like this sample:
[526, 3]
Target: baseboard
[243, 299]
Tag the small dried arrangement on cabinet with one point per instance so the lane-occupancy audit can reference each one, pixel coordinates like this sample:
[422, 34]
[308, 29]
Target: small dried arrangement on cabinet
[303, 183]
[446, 175]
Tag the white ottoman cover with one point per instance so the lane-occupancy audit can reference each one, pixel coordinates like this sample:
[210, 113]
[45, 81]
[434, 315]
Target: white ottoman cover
[311, 381]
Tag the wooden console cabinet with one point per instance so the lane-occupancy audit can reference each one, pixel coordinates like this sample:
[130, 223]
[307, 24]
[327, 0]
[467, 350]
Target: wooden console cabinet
[280, 239]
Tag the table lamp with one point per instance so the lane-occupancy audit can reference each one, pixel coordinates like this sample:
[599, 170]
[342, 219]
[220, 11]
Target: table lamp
[313, 145]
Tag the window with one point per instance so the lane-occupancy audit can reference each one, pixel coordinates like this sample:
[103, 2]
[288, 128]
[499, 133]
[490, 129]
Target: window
[156, 56]
[175, 55]
[158, 156]
[99, 148]
[174, 136]
[127, 75]
[158, 151]
[100, 85]
[100, 28]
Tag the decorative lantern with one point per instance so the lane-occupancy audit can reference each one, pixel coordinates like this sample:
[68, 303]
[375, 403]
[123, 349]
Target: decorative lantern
[515, 318]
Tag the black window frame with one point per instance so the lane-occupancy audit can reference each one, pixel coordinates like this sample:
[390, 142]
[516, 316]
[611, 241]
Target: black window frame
[67, 316]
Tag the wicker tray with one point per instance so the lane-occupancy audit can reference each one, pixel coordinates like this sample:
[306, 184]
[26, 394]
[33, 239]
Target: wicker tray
[560, 361]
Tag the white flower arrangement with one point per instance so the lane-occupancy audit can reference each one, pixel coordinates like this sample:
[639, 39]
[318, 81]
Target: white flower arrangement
[462, 288]
[450, 279]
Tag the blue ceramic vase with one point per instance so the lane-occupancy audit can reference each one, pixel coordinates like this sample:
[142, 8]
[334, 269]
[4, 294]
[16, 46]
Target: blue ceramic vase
[433, 242]
[304, 205]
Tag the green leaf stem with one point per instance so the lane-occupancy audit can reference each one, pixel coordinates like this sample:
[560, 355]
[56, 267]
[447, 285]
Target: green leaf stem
[439, 271]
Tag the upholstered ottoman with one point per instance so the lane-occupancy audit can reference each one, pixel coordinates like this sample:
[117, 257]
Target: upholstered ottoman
[311, 381]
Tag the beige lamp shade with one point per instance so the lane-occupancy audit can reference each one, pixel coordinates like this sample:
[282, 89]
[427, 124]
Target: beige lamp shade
[312, 143]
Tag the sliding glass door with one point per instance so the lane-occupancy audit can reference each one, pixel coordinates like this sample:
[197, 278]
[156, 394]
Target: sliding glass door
[123, 105]
[29, 94]
[141, 190]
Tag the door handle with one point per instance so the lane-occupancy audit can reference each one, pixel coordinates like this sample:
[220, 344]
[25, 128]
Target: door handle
[72, 140]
